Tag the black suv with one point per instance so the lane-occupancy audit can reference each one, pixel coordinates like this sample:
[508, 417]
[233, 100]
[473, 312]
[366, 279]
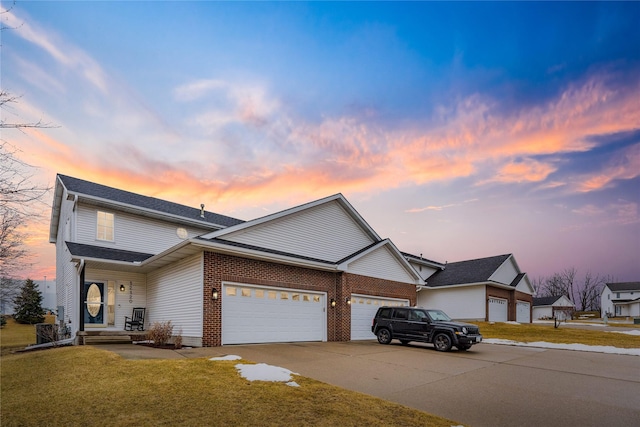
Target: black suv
[425, 325]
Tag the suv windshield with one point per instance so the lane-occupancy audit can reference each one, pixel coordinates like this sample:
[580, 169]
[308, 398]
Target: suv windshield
[438, 315]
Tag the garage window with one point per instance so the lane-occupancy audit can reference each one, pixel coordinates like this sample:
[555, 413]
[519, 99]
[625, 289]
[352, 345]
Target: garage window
[246, 292]
[272, 295]
[284, 295]
[295, 297]
[231, 291]
[316, 298]
[259, 293]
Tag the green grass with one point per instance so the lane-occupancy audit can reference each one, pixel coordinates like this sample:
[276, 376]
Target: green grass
[562, 335]
[89, 386]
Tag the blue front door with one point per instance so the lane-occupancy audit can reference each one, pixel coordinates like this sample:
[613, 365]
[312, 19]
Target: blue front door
[94, 303]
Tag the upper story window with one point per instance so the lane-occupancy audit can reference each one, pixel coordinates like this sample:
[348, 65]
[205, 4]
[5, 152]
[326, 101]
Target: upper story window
[104, 230]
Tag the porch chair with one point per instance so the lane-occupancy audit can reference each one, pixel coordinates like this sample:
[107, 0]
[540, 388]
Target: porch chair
[135, 321]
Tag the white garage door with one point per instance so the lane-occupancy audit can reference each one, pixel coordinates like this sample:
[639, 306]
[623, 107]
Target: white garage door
[523, 312]
[252, 314]
[497, 310]
[363, 308]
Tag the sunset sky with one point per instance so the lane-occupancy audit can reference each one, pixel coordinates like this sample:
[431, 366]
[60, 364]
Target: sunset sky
[457, 130]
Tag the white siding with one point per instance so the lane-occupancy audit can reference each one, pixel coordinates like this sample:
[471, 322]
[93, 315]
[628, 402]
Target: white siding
[131, 232]
[323, 232]
[466, 302]
[542, 312]
[381, 264]
[424, 271]
[175, 293]
[506, 273]
[605, 302]
[66, 273]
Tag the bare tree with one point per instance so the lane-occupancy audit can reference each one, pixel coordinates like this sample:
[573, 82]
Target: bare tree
[20, 197]
[558, 284]
[590, 292]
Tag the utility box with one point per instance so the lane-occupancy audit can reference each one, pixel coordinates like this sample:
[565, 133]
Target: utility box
[636, 321]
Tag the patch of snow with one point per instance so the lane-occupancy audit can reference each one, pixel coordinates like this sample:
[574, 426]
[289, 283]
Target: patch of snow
[578, 347]
[512, 323]
[293, 384]
[227, 357]
[264, 372]
[631, 332]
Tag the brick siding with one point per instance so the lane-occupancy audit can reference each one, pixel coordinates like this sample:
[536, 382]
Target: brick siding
[219, 268]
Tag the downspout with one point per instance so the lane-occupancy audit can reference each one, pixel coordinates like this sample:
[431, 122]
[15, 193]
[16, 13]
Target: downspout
[82, 298]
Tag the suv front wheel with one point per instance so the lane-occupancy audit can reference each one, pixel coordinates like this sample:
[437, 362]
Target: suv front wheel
[442, 342]
[384, 336]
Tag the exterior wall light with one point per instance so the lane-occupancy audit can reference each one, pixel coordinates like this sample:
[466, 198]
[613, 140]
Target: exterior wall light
[333, 303]
[348, 300]
[214, 294]
[122, 288]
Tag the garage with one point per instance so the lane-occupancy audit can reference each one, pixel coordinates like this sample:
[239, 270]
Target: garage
[252, 314]
[523, 312]
[497, 309]
[363, 309]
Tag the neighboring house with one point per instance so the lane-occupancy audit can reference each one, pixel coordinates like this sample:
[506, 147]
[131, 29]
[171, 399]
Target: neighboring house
[556, 307]
[492, 289]
[621, 299]
[315, 272]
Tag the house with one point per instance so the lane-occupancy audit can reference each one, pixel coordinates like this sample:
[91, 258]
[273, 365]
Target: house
[621, 299]
[555, 307]
[315, 272]
[491, 288]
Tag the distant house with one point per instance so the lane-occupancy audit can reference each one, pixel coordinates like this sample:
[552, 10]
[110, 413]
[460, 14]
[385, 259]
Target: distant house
[491, 288]
[621, 299]
[555, 307]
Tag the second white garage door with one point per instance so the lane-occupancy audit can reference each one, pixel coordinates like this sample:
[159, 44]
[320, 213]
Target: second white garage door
[252, 314]
[363, 308]
[497, 310]
[523, 312]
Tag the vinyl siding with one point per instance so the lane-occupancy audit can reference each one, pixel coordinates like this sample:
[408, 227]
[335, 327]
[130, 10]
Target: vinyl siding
[175, 293]
[131, 232]
[467, 302]
[381, 264]
[324, 232]
[424, 271]
[66, 273]
[505, 273]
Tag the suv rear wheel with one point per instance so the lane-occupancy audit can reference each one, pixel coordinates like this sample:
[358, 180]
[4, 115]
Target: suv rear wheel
[384, 336]
[442, 342]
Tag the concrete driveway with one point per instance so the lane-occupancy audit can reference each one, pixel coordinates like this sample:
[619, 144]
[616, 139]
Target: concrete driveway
[491, 385]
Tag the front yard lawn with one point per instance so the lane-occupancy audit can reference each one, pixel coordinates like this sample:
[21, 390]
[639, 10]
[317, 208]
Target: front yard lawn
[562, 335]
[89, 386]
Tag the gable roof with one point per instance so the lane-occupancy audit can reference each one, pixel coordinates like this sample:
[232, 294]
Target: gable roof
[539, 301]
[624, 286]
[339, 198]
[102, 195]
[466, 272]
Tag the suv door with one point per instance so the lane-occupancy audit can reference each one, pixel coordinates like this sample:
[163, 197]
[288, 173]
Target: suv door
[400, 323]
[419, 325]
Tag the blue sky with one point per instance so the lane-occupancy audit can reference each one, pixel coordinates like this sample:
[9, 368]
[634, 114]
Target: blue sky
[458, 130]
